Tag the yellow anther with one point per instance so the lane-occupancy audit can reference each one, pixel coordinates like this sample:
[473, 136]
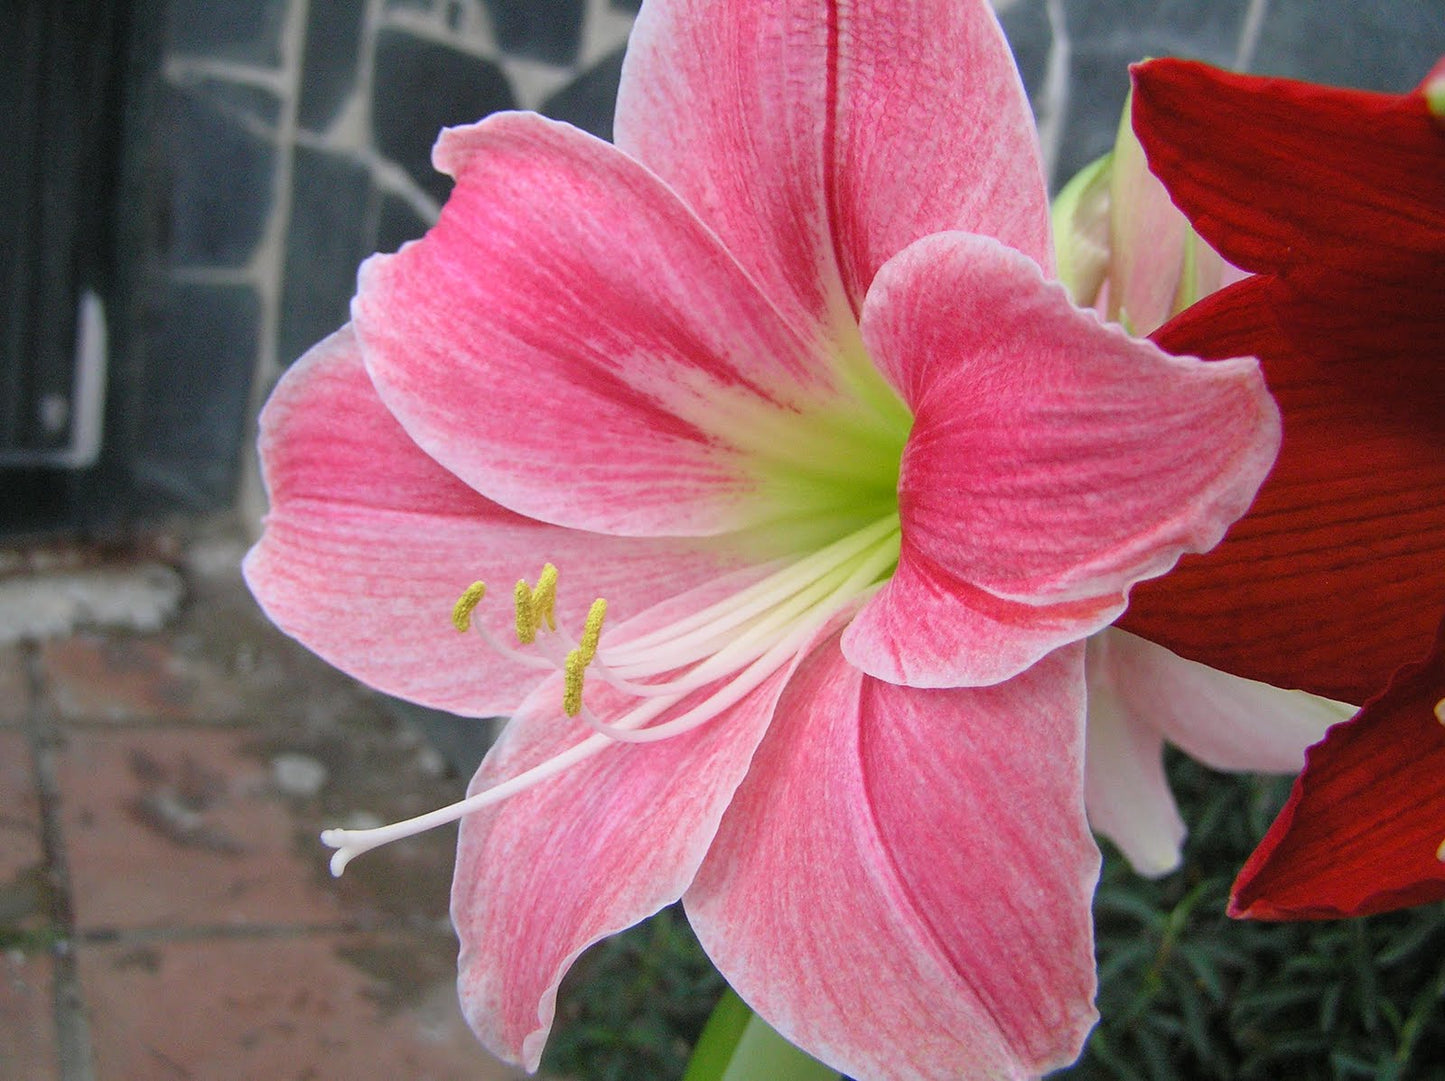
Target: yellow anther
[592, 630]
[572, 682]
[536, 607]
[466, 604]
[1440, 711]
[526, 613]
[544, 598]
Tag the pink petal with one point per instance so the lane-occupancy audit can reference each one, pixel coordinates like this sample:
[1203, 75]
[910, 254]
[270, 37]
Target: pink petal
[883, 122]
[902, 884]
[1222, 720]
[1053, 462]
[929, 628]
[546, 873]
[573, 343]
[369, 542]
[1125, 788]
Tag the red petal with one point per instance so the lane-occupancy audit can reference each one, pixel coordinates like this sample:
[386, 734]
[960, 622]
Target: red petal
[1346, 532]
[1276, 173]
[1341, 196]
[1363, 826]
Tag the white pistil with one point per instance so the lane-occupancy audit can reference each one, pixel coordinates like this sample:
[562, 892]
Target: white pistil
[748, 636]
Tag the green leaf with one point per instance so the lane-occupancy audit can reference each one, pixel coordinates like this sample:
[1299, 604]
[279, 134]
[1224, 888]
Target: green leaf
[738, 1045]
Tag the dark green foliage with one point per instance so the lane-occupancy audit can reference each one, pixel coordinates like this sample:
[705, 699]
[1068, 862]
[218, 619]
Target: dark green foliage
[632, 1007]
[1186, 993]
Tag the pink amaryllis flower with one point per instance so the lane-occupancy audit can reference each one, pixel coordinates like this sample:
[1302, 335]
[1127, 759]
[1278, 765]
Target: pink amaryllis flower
[830, 480]
[1336, 198]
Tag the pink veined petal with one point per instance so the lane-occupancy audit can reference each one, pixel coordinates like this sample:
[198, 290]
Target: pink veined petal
[1125, 789]
[546, 873]
[572, 342]
[1053, 461]
[1224, 721]
[933, 623]
[902, 884]
[885, 122]
[369, 542]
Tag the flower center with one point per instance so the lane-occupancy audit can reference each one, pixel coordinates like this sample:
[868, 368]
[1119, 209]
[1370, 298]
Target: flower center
[677, 676]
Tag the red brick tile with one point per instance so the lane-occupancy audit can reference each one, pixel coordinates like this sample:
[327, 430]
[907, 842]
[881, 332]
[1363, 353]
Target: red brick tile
[27, 1028]
[320, 1007]
[96, 677]
[14, 687]
[173, 827]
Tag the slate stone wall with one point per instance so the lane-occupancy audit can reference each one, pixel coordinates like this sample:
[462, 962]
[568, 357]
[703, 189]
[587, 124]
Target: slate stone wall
[291, 138]
[283, 142]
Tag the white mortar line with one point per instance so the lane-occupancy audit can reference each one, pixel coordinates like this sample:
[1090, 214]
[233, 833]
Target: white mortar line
[268, 264]
[1249, 34]
[1051, 107]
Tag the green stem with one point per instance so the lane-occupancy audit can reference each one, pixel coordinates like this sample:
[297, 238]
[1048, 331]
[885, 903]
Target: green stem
[738, 1045]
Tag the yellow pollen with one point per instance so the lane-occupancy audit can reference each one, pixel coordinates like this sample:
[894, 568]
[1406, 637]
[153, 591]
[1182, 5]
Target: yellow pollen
[526, 614]
[572, 682]
[536, 607]
[544, 598]
[1440, 711]
[466, 604]
[592, 630]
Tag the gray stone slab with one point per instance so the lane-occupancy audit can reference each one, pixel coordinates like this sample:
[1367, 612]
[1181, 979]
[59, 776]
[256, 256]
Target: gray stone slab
[332, 229]
[549, 30]
[218, 176]
[591, 99]
[246, 30]
[196, 391]
[397, 222]
[328, 67]
[423, 86]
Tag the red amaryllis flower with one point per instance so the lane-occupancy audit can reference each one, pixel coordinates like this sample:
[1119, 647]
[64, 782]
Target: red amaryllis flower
[1336, 200]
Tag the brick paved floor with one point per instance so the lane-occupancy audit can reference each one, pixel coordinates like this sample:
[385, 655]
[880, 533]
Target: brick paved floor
[165, 909]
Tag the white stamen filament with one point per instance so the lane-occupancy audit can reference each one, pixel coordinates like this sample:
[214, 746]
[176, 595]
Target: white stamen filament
[738, 649]
[749, 601]
[756, 673]
[751, 634]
